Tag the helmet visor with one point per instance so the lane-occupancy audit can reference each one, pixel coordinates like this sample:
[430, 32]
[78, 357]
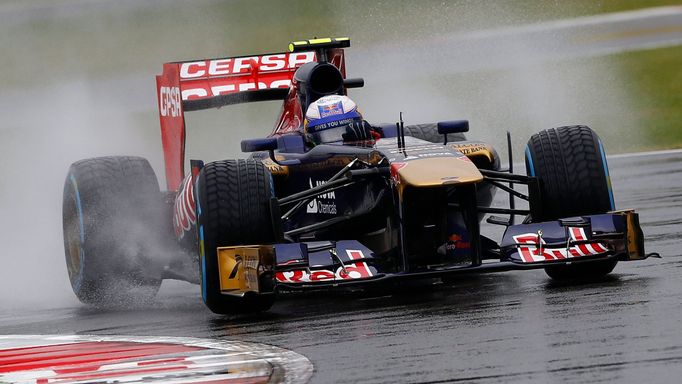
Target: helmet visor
[331, 131]
[329, 135]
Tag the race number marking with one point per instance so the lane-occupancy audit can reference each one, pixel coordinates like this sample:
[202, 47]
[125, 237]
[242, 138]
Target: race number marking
[44, 359]
[530, 251]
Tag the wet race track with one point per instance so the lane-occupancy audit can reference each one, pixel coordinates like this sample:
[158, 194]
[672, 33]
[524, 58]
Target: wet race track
[497, 328]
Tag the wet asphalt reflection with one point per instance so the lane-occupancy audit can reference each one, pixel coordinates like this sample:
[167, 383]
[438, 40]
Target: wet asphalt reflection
[497, 328]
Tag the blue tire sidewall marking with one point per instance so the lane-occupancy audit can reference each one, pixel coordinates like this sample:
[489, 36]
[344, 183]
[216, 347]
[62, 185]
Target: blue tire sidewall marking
[81, 222]
[606, 174]
[203, 263]
[529, 160]
[202, 253]
[202, 256]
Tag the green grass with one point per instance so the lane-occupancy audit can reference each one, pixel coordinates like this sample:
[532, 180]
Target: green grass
[97, 44]
[656, 77]
[627, 5]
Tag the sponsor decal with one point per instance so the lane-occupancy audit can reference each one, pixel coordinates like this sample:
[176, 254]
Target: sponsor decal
[169, 101]
[230, 86]
[350, 271]
[46, 359]
[423, 151]
[324, 203]
[330, 109]
[244, 65]
[395, 167]
[422, 147]
[184, 212]
[467, 149]
[530, 251]
[223, 76]
[331, 124]
[456, 242]
[427, 155]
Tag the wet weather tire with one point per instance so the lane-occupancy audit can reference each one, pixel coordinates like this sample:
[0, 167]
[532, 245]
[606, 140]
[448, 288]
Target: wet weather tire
[234, 208]
[112, 213]
[429, 132]
[570, 164]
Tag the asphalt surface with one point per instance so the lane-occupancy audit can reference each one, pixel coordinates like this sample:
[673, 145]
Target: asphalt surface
[507, 327]
[498, 328]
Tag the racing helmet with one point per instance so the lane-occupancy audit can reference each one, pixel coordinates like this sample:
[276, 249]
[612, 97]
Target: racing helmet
[328, 118]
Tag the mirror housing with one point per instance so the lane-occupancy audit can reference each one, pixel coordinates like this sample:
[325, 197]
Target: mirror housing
[453, 126]
[256, 145]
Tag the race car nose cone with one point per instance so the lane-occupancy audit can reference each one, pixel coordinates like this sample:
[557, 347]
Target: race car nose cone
[437, 171]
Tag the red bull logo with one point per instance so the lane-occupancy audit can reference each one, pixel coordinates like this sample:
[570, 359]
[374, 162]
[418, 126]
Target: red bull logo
[531, 250]
[330, 109]
[457, 242]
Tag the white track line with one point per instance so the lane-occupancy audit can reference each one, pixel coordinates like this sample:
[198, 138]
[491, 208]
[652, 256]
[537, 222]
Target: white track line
[648, 153]
[584, 21]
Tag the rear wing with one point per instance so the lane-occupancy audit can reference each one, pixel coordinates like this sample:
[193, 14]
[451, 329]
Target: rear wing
[212, 83]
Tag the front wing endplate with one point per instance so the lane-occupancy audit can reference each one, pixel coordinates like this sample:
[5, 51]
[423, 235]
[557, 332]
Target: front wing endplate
[241, 268]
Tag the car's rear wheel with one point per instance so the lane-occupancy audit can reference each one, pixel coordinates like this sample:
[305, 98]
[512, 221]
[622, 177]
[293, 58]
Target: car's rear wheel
[570, 164]
[112, 217]
[429, 132]
[234, 208]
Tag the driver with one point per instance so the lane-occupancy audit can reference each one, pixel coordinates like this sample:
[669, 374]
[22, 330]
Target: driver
[335, 119]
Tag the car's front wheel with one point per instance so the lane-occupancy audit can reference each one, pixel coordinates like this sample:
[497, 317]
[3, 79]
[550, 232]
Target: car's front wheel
[234, 208]
[570, 164]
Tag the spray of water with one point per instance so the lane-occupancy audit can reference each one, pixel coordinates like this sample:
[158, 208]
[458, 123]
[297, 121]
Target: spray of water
[75, 92]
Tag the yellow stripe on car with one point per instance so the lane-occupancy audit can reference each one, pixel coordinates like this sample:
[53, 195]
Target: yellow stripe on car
[313, 42]
[320, 41]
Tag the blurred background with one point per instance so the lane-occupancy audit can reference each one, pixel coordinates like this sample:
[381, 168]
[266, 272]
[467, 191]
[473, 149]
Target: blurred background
[77, 81]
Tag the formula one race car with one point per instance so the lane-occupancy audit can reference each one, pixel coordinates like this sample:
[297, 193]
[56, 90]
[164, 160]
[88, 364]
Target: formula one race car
[297, 215]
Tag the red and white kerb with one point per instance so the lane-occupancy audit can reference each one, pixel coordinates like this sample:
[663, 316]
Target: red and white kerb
[110, 359]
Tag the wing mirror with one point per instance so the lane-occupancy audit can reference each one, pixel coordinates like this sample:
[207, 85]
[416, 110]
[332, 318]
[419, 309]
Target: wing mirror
[268, 144]
[452, 126]
[256, 145]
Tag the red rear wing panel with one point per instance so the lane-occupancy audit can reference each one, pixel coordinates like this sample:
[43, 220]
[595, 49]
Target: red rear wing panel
[208, 78]
[172, 118]
[194, 85]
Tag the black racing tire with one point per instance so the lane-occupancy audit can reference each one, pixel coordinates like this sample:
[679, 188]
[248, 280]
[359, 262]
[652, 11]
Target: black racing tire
[570, 164]
[234, 208]
[429, 132]
[584, 271]
[112, 216]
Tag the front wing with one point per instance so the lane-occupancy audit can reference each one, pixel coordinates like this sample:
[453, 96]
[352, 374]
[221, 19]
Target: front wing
[297, 266]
